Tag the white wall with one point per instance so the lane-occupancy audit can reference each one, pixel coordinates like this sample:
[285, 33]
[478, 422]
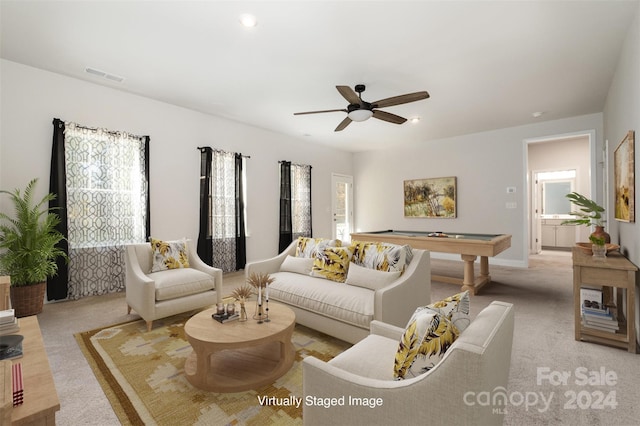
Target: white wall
[485, 164]
[621, 114]
[31, 98]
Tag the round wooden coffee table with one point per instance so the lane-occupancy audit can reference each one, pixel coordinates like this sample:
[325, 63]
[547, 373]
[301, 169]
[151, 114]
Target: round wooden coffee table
[238, 356]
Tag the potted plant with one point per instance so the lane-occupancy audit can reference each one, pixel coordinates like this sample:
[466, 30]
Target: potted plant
[28, 248]
[590, 213]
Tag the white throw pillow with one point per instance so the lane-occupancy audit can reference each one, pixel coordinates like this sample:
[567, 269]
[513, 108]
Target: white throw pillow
[370, 278]
[299, 265]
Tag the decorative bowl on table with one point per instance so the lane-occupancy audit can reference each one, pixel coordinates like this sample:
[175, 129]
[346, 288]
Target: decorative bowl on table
[586, 247]
[10, 346]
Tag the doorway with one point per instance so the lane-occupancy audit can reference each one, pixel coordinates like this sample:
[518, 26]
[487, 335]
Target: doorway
[342, 206]
[553, 207]
[570, 153]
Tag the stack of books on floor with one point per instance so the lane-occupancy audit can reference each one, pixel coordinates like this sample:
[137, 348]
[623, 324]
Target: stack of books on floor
[8, 322]
[594, 314]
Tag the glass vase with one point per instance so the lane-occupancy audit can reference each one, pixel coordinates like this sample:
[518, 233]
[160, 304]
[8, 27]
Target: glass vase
[243, 313]
[599, 251]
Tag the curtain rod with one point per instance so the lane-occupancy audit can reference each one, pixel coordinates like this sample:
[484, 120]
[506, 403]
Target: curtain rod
[107, 131]
[202, 148]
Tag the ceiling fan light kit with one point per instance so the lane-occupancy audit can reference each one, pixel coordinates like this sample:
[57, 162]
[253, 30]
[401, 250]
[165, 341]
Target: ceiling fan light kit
[359, 110]
[360, 114]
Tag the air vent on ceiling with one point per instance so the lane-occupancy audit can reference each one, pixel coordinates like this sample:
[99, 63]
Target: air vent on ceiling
[104, 75]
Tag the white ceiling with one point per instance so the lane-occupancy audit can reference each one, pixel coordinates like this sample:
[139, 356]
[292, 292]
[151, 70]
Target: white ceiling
[486, 64]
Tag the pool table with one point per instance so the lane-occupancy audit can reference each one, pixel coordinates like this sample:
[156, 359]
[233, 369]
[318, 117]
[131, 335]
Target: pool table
[469, 246]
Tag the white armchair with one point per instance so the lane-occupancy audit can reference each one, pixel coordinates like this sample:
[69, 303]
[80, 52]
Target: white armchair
[155, 295]
[361, 379]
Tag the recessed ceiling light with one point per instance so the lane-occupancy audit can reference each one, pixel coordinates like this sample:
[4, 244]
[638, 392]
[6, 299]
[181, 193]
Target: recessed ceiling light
[248, 20]
[537, 114]
[414, 120]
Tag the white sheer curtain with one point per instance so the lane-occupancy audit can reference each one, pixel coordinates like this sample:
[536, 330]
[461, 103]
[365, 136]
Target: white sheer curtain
[107, 205]
[223, 210]
[301, 200]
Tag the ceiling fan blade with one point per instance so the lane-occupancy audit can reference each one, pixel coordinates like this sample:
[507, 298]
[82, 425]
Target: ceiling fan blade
[344, 123]
[387, 116]
[348, 93]
[398, 100]
[318, 112]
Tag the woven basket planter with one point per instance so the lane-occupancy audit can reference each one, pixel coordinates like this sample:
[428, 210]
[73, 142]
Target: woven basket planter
[28, 300]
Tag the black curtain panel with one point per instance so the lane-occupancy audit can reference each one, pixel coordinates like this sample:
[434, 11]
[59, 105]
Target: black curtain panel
[205, 236]
[286, 231]
[147, 139]
[241, 240]
[57, 286]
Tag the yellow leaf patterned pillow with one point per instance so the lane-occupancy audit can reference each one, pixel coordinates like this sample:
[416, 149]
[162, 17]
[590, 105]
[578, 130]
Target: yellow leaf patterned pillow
[423, 344]
[381, 256]
[309, 247]
[169, 255]
[332, 263]
[455, 308]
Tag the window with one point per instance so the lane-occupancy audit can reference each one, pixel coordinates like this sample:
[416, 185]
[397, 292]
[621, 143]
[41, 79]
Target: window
[300, 200]
[100, 179]
[295, 203]
[106, 187]
[221, 237]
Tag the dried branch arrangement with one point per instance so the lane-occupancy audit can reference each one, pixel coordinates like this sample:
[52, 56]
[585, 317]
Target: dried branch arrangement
[242, 293]
[260, 280]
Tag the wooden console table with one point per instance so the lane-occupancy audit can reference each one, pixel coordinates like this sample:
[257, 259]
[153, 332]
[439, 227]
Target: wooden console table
[613, 272]
[40, 396]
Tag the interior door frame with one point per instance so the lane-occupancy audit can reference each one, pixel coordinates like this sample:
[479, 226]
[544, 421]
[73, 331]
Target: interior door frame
[529, 211]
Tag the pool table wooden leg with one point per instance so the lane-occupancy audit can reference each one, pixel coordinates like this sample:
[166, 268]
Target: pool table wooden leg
[484, 269]
[468, 282]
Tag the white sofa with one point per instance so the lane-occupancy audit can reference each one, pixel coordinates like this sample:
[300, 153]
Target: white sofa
[155, 295]
[342, 310]
[454, 392]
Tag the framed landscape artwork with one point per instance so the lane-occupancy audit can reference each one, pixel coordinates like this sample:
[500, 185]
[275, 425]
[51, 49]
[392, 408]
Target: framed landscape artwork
[433, 197]
[624, 179]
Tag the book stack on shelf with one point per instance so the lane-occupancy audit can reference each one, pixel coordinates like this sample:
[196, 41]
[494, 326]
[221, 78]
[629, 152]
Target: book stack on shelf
[595, 314]
[8, 322]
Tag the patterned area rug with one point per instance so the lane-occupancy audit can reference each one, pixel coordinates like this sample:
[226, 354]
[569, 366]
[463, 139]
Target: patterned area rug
[142, 374]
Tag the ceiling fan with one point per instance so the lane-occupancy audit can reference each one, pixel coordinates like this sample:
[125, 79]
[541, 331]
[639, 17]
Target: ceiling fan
[359, 110]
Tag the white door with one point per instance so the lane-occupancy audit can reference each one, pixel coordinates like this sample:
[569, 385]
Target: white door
[342, 206]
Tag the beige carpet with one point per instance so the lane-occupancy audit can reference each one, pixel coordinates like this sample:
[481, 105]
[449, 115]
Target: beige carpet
[142, 375]
[544, 338]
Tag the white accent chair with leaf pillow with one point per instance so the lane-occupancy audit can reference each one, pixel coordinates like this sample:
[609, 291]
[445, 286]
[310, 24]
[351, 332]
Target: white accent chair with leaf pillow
[166, 278]
[448, 380]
